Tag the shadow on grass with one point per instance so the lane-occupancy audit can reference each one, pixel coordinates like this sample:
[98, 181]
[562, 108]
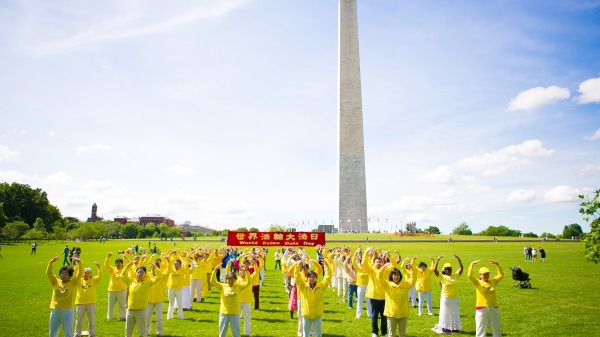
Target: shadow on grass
[270, 320]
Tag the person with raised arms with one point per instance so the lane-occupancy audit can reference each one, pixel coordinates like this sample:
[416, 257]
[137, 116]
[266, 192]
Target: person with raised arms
[486, 307]
[64, 289]
[85, 301]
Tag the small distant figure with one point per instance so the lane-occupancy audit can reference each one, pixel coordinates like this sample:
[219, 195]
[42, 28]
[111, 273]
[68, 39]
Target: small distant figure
[495, 240]
[1, 252]
[33, 248]
[542, 254]
[449, 239]
[66, 252]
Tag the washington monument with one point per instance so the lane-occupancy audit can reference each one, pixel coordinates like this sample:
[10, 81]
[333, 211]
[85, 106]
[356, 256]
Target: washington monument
[352, 183]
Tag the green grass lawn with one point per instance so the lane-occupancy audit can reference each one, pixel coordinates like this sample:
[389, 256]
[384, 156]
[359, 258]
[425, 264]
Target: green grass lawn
[564, 300]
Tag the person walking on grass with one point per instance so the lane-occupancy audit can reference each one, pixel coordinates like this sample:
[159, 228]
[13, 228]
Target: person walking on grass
[396, 296]
[137, 302]
[229, 311]
[449, 320]
[64, 289]
[486, 312]
[312, 297]
[85, 302]
[117, 289]
[66, 252]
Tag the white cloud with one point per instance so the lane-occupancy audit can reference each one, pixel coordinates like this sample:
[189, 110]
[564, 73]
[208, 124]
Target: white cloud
[589, 91]
[447, 174]
[563, 193]
[595, 136]
[135, 25]
[7, 154]
[17, 177]
[506, 159]
[181, 170]
[99, 186]
[59, 178]
[590, 169]
[536, 97]
[521, 197]
[93, 149]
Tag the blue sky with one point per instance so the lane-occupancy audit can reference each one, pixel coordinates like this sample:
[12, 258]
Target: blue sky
[224, 113]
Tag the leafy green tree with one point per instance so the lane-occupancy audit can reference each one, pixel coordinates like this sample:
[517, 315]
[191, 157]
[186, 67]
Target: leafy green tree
[59, 233]
[276, 228]
[130, 231]
[572, 231]
[242, 229]
[35, 234]
[173, 232]
[215, 233]
[3, 217]
[38, 224]
[22, 203]
[462, 229]
[500, 231]
[530, 235]
[590, 208]
[432, 230]
[14, 230]
[548, 235]
[253, 229]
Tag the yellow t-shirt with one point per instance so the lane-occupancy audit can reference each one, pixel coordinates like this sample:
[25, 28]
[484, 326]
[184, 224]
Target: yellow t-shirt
[63, 294]
[396, 295]
[86, 290]
[449, 285]
[486, 291]
[230, 296]
[312, 300]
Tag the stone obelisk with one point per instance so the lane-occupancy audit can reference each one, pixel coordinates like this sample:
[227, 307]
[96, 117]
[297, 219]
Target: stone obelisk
[352, 180]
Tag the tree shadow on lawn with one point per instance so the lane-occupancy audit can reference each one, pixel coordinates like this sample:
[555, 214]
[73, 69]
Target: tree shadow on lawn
[270, 320]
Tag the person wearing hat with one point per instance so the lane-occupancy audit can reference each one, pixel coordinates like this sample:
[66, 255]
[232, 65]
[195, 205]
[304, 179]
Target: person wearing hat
[486, 307]
[449, 320]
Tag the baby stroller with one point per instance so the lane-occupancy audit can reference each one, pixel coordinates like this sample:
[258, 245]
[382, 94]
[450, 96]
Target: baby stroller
[522, 277]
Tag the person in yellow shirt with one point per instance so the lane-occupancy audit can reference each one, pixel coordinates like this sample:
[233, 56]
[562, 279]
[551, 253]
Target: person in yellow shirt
[137, 302]
[175, 286]
[423, 285]
[198, 273]
[375, 293]
[85, 301]
[362, 281]
[63, 294]
[449, 320]
[246, 296]
[396, 296]
[156, 300]
[486, 307]
[229, 312]
[117, 289]
[312, 297]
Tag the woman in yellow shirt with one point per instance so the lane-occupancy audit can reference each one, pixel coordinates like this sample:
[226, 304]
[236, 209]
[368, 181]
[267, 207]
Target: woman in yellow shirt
[117, 289]
[175, 286]
[63, 294]
[312, 297]
[396, 297]
[156, 300]
[423, 285]
[137, 302]
[449, 320]
[486, 307]
[229, 312]
[85, 301]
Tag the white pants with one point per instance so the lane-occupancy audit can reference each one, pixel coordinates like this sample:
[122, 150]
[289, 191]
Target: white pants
[117, 297]
[246, 309]
[428, 297]
[196, 289]
[62, 317]
[360, 297]
[412, 293]
[262, 276]
[222, 275]
[90, 310]
[314, 324]
[158, 308]
[186, 298]
[487, 316]
[344, 289]
[175, 294]
[136, 316]
[233, 321]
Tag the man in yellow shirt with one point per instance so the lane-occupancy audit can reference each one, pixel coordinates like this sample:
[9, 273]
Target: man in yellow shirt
[63, 294]
[137, 302]
[375, 293]
[117, 289]
[229, 312]
[486, 307]
[86, 300]
[156, 300]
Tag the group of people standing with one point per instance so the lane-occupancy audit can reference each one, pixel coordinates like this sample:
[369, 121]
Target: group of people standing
[531, 254]
[388, 284]
[139, 283]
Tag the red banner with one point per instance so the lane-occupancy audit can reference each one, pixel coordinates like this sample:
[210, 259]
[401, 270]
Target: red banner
[265, 239]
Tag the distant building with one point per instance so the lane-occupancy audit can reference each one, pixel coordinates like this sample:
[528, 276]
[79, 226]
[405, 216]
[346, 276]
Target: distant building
[326, 229]
[187, 228]
[94, 216]
[157, 220]
[125, 220]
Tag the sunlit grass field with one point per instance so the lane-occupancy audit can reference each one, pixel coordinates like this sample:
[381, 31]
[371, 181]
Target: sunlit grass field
[564, 300]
